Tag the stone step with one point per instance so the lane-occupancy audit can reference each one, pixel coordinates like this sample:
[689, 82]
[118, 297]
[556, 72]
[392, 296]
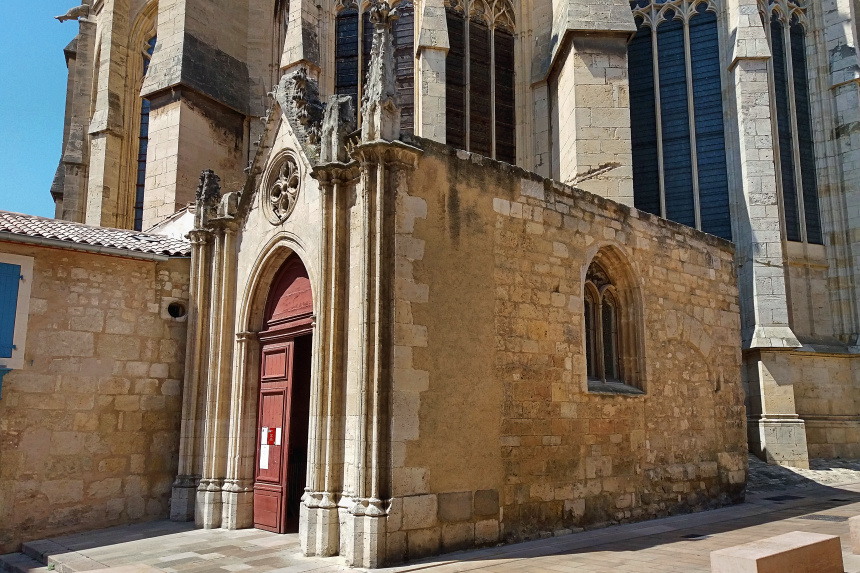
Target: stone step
[59, 558]
[20, 563]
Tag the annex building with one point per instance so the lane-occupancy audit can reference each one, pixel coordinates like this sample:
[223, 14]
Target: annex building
[413, 278]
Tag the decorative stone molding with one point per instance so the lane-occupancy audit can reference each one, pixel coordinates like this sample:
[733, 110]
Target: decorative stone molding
[298, 96]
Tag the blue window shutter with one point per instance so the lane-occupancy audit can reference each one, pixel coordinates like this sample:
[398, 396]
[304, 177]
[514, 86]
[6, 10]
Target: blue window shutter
[10, 277]
[677, 158]
[710, 131]
[643, 123]
[804, 134]
[786, 141]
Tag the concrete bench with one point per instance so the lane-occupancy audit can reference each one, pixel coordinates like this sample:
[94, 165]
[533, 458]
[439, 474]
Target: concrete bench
[795, 552]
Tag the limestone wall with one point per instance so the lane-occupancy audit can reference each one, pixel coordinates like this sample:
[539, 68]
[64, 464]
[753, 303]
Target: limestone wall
[495, 435]
[89, 428]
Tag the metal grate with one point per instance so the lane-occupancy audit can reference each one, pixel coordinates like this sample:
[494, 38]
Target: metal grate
[834, 518]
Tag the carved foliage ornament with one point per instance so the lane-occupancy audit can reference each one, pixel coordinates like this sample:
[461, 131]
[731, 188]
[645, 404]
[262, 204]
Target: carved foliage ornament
[283, 192]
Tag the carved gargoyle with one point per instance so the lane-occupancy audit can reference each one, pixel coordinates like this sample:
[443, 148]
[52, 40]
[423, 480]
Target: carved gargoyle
[75, 13]
[338, 123]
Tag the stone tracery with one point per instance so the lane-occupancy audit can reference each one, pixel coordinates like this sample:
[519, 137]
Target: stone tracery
[283, 192]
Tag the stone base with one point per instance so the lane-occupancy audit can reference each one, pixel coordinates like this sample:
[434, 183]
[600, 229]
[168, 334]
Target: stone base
[780, 441]
[795, 552]
[362, 538]
[208, 511]
[183, 498]
[237, 503]
[319, 528]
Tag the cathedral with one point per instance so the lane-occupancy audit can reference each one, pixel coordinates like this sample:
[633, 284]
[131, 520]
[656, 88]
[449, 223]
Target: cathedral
[409, 277]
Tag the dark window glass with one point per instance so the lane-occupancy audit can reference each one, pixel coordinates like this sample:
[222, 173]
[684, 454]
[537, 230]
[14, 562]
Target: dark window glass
[610, 363]
[143, 146]
[404, 45]
[455, 82]
[506, 147]
[643, 123]
[677, 158]
[589, 338]
[786, 142]
[346, 54]
[480, 90]
[710, 130]
[804, 134]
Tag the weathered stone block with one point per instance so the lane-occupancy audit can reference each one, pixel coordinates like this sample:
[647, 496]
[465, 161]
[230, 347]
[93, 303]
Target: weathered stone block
[419, 511]
[455, 506]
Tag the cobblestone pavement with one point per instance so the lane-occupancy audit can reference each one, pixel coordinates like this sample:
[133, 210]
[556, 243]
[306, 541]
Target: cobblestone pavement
[772, 478]
[781, 501]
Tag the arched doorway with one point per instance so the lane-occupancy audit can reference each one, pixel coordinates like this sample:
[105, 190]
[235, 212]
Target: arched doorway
[282, 419]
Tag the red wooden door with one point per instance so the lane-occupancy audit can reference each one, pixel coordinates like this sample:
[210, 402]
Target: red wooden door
[270, 487]
[282, 428]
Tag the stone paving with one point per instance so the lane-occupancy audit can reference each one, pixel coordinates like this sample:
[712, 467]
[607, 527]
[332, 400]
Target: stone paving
[782, 501]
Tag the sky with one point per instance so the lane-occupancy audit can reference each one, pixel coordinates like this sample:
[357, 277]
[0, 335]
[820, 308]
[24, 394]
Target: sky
[32, 102]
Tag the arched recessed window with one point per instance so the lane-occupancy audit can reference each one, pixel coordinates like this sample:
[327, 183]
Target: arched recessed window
[479, 75]
[676, 113]
[613, 360]
[143, 143]
[796, 157]
[601, 326]
[353, 45]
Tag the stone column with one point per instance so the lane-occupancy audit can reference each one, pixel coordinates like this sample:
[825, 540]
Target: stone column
[238, 492]
[590, 112]
[188, 476]
[107, 203]
[776, 433]
[431, 50]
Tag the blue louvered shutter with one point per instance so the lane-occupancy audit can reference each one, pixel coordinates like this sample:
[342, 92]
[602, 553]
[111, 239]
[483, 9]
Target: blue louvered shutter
[643, 123]
[677, 156]
[710, 130]
[804, 134]
[10, 277]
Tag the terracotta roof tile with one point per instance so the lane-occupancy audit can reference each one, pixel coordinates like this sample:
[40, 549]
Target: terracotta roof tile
[123, 239]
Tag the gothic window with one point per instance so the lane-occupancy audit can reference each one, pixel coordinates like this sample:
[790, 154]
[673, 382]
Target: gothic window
[601, 327]
[353, 45]
[678, 135]
[614, 360]
[143, 143]
[479, 75]
[796, 153]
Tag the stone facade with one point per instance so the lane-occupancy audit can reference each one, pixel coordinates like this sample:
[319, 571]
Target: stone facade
[450, 291]
[90, 422]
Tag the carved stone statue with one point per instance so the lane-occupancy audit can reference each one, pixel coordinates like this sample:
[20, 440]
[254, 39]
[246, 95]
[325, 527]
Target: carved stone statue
[338, 124]
[208, 198]
[75, 13]
[379, 108]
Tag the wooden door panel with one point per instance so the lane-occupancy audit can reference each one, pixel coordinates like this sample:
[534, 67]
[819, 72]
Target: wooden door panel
[276, 362]
[267, 509]
[270, 455]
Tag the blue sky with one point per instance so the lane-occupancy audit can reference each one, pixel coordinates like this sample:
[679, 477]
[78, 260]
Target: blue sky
[32, 102]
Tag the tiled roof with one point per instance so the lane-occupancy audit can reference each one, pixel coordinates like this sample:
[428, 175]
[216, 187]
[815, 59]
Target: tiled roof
[122, 239]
